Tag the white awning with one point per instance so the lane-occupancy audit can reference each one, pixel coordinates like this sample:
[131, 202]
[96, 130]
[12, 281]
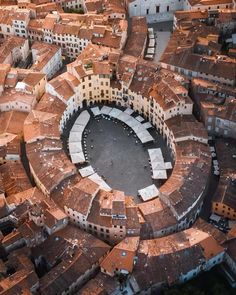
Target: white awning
[139, 118]
[96, 111]
[149, 192]
[75, 147]
[86, 171]
[158, 165]
[151, 50]
[97, 179]
[77, 158]
[114, 113]
[129, 111]
[75, 136]
[132, 122]
[124, 117]
[77, 128]
[151, 43]
[144, 136]
[149, 56]
[168, 165]
[150, 30]
[105, 110]
[159, 174]
[138, 128]
[147, 125]
[83, 118]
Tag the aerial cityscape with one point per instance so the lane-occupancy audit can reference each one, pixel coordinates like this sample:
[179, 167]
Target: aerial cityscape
[118, 147]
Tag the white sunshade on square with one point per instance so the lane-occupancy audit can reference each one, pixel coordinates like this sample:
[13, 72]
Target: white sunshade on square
[151, 36]
[139, 118]
[96, 111]
[77, 158]
[147, 138]
[105, 110]
[123, 117]
[150, 30]
[132, 122]
[159, 174]
[155, 153]
[168, 165]
[138, 128]
[144, 136]
[149, 192]
[75, 147]
[114, 113]
[147, 125]
[151, 50]
[129, 111]
[158, 166]
[151, 43]
[75, 136]
[149, 56]
[83, 118]
[77, 128]
[157, 159]
[97, 179]
[86, 171]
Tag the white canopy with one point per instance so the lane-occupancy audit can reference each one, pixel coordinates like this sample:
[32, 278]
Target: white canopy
[151, 43]
[96, 111]
[149, 56]
[75, 136]
[138, 128]
[159, 174]
[147, 125]
[129, 111]
[114, 113]
[75, 147]
[139, 118]
[158, 165]
[124, 117]
[145, 136]
[168, 165]
[83, 118]
[77, 128]
[149, 192]
[97, 179]
[150, 30]
[151, 50]
[105, 110]
[86, 171]
[77, 158]
[132, 122]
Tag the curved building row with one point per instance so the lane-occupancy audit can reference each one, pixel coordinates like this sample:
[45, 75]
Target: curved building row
[103, 75]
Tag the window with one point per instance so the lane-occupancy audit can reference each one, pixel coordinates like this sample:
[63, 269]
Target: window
[168, 8]
[157, 9]
[147, 11]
